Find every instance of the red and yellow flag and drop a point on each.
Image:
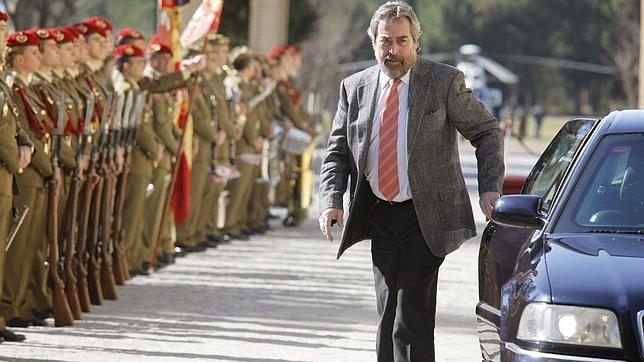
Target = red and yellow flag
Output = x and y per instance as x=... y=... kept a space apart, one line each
x=205 y=19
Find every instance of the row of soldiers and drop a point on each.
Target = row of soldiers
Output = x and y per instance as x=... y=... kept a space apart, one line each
x=94 y=127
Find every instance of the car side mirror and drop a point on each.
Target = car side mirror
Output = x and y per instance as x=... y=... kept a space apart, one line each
x=520 y=211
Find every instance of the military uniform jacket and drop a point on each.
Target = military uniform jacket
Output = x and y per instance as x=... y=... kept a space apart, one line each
x=32 y=116
x=204 y=123
x=12 y=136
x=251 y=128
x=164 y=109
x=144 y=153
x=49 y=94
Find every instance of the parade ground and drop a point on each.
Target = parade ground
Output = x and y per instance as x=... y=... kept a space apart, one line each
x=282 y=297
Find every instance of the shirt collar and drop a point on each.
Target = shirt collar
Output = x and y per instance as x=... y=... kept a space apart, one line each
x=383 y=79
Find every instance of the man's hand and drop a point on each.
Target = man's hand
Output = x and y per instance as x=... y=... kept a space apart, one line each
x=327 y=216
x=238 y=133
x=25 y=157
x=194 y=64
x=487 y=201
x=160 y=152
x=221 y=138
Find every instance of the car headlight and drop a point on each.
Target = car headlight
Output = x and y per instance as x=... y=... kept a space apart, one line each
x=541 y=322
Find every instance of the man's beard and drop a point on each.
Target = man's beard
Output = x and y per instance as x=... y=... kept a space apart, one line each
x=396 y=66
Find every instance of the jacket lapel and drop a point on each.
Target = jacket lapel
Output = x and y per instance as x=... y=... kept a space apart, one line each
x=365 y=115
x=419 y=91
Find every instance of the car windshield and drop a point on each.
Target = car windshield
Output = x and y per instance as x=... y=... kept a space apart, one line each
x=609 y=196
x=548 y=173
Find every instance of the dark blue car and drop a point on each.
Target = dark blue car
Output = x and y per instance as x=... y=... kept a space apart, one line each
x=561 y=265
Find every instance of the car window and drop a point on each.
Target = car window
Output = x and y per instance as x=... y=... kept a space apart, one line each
x=547 y=174
x=610 y=191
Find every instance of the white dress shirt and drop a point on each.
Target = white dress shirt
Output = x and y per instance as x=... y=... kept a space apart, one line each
x=384 y=86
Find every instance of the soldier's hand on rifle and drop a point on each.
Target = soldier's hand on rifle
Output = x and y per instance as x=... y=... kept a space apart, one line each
x=58 y=174
x=25 y=156
x=120 y=159
x=160 y=152
x=221 y=138
x=238 y=133
x=84 y=166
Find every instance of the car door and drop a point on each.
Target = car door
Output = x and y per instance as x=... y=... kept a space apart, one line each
x=500 y=245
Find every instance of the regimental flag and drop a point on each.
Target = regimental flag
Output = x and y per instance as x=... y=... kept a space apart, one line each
x=169 y=25
x=205 y=19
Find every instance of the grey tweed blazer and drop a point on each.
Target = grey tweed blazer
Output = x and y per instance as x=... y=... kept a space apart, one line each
x=439 y=106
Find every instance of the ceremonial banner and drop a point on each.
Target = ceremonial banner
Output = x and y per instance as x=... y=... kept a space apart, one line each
x=169 y=25
x=205 y=19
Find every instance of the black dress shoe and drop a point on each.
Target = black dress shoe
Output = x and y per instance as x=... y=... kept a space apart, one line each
x=247 y=232
x=260 y=230
x=290 y=221
x=9 y=336
x=18 y=323
x=180 y=251
x=144 y=270
x=198 y=248
x=237 y=236
x=212 y=243
x=44 y=314
x=37 y=322
x=272 y=216
x=134 y=272
x=215 y=238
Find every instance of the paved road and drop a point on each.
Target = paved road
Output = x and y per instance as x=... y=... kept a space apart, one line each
x=281 y=297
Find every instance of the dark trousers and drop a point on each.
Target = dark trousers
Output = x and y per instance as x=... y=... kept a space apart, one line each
x=406 y=279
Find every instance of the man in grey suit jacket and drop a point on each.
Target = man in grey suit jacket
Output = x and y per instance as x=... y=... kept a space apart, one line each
x=394 y=138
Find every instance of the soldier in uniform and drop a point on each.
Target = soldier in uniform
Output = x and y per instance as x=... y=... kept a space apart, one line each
x=164 y=112
x=147 y=151
x=248 y=149
x=205 y=136
x=214 y=91
x=39 y=300
x=15 y=155
x=24 y=60
x=130 y=61
x=294 y=166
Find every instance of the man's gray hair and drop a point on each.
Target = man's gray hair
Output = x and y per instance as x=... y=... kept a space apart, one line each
x=395 y=10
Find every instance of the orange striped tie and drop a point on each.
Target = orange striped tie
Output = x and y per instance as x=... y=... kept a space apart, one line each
x=387 y=150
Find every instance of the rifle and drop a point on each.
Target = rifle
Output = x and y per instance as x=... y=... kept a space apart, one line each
x=86 y=200
x=62 y=314
x=120 y=266
x=70 y=232
x=108 y=284
x=15 y=226
x=118 y=253
x=175 y=171
x=94 y=262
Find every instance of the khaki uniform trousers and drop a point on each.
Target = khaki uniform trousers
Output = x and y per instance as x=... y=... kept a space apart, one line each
x=154 y=205
x=5 y=221
x=240 y=191
x=39 y=295
x=20 y=258
x=209 y=213
x=133 y=218
x=259 y=204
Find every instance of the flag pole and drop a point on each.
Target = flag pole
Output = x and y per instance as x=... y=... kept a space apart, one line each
x=175 y=168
